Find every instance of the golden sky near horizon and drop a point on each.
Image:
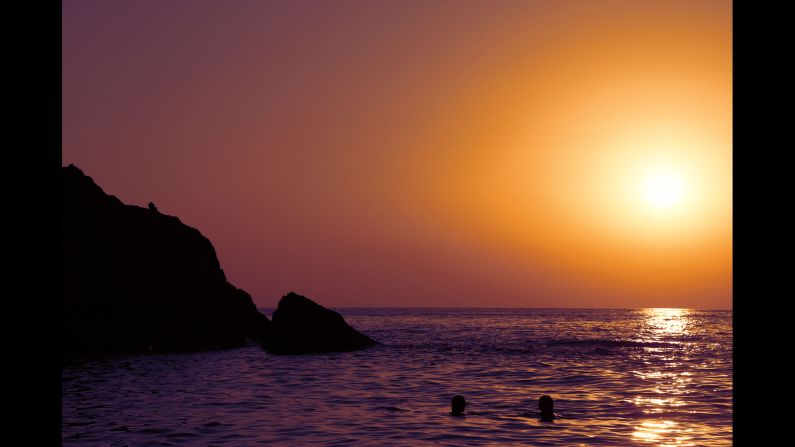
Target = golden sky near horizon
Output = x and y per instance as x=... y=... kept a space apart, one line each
x=507 y=153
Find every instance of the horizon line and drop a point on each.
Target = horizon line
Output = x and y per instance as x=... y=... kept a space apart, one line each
x=511 y=307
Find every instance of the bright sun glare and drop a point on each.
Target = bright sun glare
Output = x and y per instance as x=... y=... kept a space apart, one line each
x=664 y=189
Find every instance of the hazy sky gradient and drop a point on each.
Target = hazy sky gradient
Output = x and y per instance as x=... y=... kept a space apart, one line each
x=418 y=153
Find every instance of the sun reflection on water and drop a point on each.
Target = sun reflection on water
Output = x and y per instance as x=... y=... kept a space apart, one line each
x=662 y=325
x=666 y=322
x=664 y=433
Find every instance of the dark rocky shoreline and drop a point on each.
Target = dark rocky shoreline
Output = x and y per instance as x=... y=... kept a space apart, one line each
x=135 y=280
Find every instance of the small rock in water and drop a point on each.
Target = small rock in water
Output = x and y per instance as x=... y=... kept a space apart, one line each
x=301 y=326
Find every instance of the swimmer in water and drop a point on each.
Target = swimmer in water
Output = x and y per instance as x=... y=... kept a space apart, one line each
x=459 y=403
x=546 y=406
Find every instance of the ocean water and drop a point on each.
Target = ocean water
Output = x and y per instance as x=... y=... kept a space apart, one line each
x=644 y=377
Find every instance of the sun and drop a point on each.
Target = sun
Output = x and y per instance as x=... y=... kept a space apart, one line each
x=663 y=189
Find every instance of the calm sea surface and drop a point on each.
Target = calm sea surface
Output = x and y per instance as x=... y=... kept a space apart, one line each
x=646 y=377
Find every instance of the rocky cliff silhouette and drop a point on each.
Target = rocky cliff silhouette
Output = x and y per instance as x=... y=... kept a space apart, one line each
x=136 y=280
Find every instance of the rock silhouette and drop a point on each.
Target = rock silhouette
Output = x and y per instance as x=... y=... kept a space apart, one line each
x=301 y=326
x=135 y=280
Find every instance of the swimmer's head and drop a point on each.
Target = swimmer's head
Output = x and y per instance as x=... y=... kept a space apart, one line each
x=459 y=403
x=546 y=406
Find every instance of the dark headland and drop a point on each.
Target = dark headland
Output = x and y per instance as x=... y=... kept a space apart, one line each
x=136 y=280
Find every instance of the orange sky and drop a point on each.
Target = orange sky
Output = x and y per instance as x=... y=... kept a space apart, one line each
x=440 y=153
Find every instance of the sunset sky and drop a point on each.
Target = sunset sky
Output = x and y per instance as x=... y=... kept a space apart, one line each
x=421 y=153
